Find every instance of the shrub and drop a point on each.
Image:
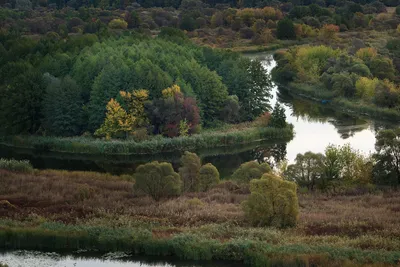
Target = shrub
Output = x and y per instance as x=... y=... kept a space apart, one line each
x=365 y=87
x=209 y=176
x=272 y=202
x=16 y=165
x=190 y=172
x=118 y=24
x=249 y=171
x=285 y=29
x=157 y=180
x=366 y=53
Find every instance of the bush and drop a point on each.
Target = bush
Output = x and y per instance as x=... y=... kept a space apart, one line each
x=285 y=29
x=272 y=202
x=16 y=165
x=209 y=176
x=249 y=171
x=157 y=180
x=118 y=24
x=190 y=172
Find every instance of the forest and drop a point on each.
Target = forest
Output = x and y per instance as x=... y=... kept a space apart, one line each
x=100 y=81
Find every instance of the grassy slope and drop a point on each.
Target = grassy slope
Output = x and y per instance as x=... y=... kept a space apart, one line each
x=71 y=210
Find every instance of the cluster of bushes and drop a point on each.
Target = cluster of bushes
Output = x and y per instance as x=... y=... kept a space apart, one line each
x=366 y=76
x=50 y=87
x=343 y=168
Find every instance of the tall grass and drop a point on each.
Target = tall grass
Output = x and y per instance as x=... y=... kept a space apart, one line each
x=16 y=165
x=59 y=237
x=130 y=147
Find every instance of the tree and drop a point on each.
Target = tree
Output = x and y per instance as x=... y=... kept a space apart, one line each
x=328 y=32
x=21 y=103
x=285 y=29
x=278 y=117
x=209 y=176
x=118 y=24
x=117 y=121
x=158 y=180
x=382 y=68
x=190 y=172
x=387 y=155
x=63 y=107
x=230 y=112
x=133 y=19
x=135 y=103
x=307 y=171
x=272 y=202
x=250 y=170
x=365 y=88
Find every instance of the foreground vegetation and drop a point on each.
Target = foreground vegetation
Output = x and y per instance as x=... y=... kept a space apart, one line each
x=338 y=214
x=67 y=211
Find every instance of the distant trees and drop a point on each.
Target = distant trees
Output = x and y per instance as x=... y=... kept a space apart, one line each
x=118 y=24
x=158 y=180
x=272 y=202
x=336 y=167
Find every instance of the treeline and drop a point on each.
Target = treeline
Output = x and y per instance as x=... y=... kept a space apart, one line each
x=342 y=169
x=256 y=22
x=122 y=85
x=361 y=75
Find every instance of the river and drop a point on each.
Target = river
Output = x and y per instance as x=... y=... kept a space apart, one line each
x=22 y=258
x=316 y=126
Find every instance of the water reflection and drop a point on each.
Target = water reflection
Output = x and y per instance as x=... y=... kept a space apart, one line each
x=34 y=258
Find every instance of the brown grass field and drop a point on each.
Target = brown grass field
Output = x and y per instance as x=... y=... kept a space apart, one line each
x=369 y=221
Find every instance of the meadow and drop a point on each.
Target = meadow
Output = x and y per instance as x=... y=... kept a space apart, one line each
x=60 y=210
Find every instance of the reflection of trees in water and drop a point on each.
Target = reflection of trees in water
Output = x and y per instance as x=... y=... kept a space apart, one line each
x=309 y=111
x=227 y=164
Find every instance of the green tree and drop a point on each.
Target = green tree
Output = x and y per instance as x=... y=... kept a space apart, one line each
x=209 y=176
x=307 y=170
x=387 y=156
x=272 y=202
x=382 y=68
x=190 y=172
x=278 y=117
x=63 y=107
x=249 y=171
x=285 y=29
x=21 y=103
x=158 y=180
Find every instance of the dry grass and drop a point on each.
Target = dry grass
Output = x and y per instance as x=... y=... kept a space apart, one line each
x=366 y=221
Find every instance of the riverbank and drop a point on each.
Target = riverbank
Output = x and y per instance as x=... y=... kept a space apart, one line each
x=340 y=103
x=69 y=211
x=93 y=146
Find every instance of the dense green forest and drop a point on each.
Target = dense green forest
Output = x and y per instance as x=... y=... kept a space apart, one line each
x=123 y=84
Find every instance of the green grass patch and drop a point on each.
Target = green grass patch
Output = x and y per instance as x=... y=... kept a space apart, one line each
x=155 y=145
x=16 y=165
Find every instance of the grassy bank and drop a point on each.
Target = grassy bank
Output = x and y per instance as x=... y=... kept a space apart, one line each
x=154 y=145
x=349 y=106
x=66 y=211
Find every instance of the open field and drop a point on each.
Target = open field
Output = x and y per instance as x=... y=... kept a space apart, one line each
x=347 y=228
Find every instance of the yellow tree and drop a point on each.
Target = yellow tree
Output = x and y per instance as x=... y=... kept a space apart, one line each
x=135 y=103
x=171 y=91
x=117 y=121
